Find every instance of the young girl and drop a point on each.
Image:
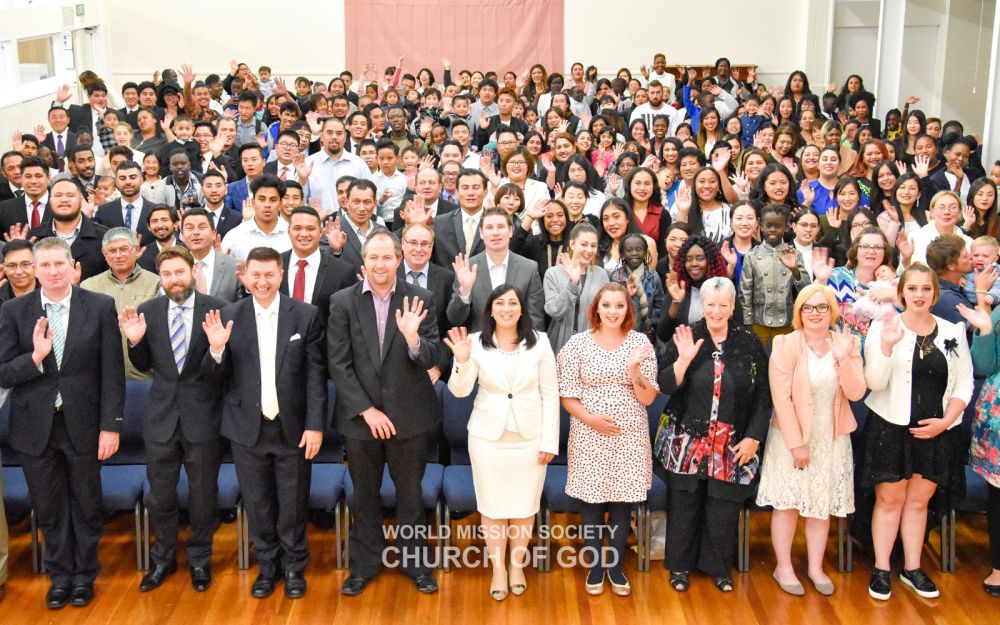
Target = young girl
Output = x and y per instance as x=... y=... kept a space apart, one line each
x=773 y=273
x=642 y=282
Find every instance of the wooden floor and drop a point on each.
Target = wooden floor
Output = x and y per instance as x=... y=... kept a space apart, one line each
x=558 y=597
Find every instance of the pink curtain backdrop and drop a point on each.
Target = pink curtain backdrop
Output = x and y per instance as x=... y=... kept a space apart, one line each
x=496 y=35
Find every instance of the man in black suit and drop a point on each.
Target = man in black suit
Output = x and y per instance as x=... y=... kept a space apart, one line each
x=274 y=414
x=162 y=222
x=313 y=275
x=32 y=208
x=61 y=356
x=70 y=224
x=213 y=189
x=10 y=184
x=381 y=341
x=181 y=424
x=87 y=115
x=351 y=226
x=452 y=232
x=418 y=246
x=286 y=149
x=60 y=139
x=131 y=210
x=205 y=136
x=129 y=113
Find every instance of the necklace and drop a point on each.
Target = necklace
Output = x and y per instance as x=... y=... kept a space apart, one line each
x=926 y=345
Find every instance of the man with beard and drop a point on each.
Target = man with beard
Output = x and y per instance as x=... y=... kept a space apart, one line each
x=131 y=210
x=162 y=222
x=68 y=222
x=213 y=189
x=398 y=133
x=658 y=106
x=81 y=158
x=125 y=281
x=331 y=164
x=181 y=424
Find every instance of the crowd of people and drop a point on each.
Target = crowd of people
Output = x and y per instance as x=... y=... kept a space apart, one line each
x=778 y=262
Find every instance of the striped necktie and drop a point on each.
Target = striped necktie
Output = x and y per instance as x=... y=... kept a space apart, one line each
x=178 y=340
x=54 y=314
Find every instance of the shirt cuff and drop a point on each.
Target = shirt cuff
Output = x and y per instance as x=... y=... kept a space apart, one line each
x=465 y=298
x=217 y=356
x=414 y=352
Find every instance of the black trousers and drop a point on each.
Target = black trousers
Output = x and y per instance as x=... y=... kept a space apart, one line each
x=701 y=531
x=163 y=467
x=993 y=522
x=65 y=488
x=274 y=481
x=615 y=531
x=365 y=461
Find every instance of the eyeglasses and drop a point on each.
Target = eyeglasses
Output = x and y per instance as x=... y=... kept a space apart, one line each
x=871 y=248
x=287 y=144
x=860 y=224
x=419 y=244
x=117 y=251
x=820 y=308
x=23 y=266
x=516 y=163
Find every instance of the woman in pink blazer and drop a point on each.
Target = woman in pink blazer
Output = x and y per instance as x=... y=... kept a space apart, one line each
x=808 y=469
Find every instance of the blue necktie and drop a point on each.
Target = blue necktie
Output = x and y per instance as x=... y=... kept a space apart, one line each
x=128 y=215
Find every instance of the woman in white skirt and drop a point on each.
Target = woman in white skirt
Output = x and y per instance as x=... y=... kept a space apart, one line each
x=808 y=471
x=513 y=430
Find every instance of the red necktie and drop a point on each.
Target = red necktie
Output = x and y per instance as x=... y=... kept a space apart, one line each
x=36 y=216
x=299 y=290
x=284 y=173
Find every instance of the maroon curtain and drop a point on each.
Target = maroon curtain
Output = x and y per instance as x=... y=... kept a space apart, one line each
x=483 y=35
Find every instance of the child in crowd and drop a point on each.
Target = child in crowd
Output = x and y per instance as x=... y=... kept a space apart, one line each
x=985 y=251
x=390 y=183
x=267 y=84
x=636 y=275
x=869 y=309
x=773 y=274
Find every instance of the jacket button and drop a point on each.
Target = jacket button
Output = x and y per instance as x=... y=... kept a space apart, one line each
x=510 y=396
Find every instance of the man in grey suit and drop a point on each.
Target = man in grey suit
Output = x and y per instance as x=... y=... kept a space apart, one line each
x=214 y=272
x=475 y=278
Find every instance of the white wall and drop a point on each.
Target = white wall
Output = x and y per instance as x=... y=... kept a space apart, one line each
x=293 y=38
x=690 y=33
x=964 y=84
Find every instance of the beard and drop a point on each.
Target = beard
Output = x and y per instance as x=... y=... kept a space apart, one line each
x=181 y=295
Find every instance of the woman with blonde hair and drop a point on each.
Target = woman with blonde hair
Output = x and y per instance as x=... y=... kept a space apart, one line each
x=814 y=373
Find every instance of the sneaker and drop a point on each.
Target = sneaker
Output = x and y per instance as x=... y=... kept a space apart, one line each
x=920 y=583
x=881 y=585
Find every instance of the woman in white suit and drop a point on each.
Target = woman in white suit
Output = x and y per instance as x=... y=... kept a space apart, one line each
x=514 y=427
x=919 y=371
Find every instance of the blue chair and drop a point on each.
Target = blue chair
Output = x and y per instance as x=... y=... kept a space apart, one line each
x=326 y=487
x=458 y=488
x=16 y=499
x=431 y=486
x=229 y=489
x=123 y=475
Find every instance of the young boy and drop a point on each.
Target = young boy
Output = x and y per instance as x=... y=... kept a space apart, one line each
x=266 y=83
x=367 y=152
x=750 y=120
x=180 y=134
x=292 y=199
x=985 y=251
x=773 y=273
x=390 y=183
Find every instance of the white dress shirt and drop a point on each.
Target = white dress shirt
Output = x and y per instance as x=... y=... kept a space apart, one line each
x=29 y=209
x=289 y=170
x=248 y=235
x=422 y=275
x=326 y=172
x=136 y=211
x=964 y=192
x=498 y=272
x=187 y=315
x=396 y=184
x=311 y=269
x=207 y=265
x=267 y=347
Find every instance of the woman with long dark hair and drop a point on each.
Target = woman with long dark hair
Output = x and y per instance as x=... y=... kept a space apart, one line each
x=545 y=247
x=708 y=213
x=616 y=221
x=643 y=197
x=983 y=202
x=914 y=125
x=697 y=260
x=570 y=285
x=797 y=86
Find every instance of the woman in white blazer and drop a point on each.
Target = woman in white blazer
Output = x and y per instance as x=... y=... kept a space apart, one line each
x=919 y=370
x=513 y=429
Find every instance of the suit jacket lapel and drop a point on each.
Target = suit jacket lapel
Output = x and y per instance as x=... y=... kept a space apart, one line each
x=484 y=282
x=365 y=309
x=395 y=304
x=218 y=273
x=284 y=331
x=77 y=321
x=197 y=334
x=249 y=322
x=320 y=276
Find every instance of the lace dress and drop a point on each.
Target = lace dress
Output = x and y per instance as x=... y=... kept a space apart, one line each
x=826 y=486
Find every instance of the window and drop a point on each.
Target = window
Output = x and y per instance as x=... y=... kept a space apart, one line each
x=35 y=59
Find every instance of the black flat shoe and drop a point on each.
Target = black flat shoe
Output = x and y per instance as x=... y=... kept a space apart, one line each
x=992 y=590
x=724 y=584
x=353 y=585
x=57 y=597
x=155 y=578
x=426 y=583
x=263 y=586
x=81 y=595
x=201 y=577
x=295 y=585
x=679 y=581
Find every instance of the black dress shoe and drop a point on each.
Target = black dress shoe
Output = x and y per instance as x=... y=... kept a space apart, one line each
x=155 y=578
x=263 y=586
x=425 y=583
x=353 y=585
x=201 y=577
x=57 y=597
x=295 y=584
x=81 y=595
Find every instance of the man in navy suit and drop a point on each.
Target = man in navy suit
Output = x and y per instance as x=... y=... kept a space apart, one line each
x=252 y=161
x=130 y=210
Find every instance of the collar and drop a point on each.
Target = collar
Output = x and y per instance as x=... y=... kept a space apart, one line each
x=209 y=259
x=64 y=301
x=279 y=228
x=505 y=264
x=186 y=305
x=272 y=309
x=136 y=271
x=425 y=271
x=312 y=260
x=366 y=287
x=42 y=201
x=76 y=231
x=136 y=204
